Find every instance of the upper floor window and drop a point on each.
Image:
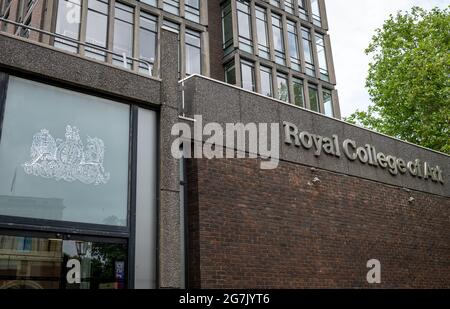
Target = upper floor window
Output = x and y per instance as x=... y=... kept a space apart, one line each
x=68 y=24
x=172 y=6
x=266 y=81
x=147 y=41
x=97 y=29
x=193 y=52
x=328 y=103
x=227 y=28
x=283 y=89
x=151 y=2
x=293 y=45
x=123 y=35
x=289 y=6
x=262 y=33
x=321 y=56
x=308 y=52
x=277 y=28
x=192 y=10
x=299 y=97
x=230 y=73
x=275 y=3
x=247 y=75
x=302 y=11
x=314 y=99
x=316 y=13
x=244 y=26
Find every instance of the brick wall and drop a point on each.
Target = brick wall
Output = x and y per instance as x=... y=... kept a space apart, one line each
x=250 y=228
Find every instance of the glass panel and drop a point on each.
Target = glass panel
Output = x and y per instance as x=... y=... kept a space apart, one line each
x=227 y=29
x=322 y=57
x=193 y=53
x=192 y=10
x=147 y=43
x=308 y=52
x=68 y=24
x=123 y=35
x=314 y=99
x=46 y=263
x=150 y=2
x=145 y=246
x=261 y=27
x=302 y=12
x=230 y=74
x=316 y=13
x=266 y=81
x=293 y=45
x=247 y=76
x=298 y=92
x=328 y=103
x=275 y=3
x=63 y=155
x=245 y=27
x=96 y=28
x=278 y=40
x=283 y=90
x=172 y=6
x=289 y=6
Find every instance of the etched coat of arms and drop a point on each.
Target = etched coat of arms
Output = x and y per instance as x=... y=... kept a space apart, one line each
x=67 y=159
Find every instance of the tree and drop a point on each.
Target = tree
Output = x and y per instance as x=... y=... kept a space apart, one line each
x=408 y=79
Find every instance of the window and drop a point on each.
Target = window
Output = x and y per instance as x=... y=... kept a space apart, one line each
x=192 y=10
x=308 y=51
x=314 y=99
x=193 y=53
x=278 y=40
x=123 y=35
x=298 y=92
x=96 y=29
x=68 y=24
x=328 y=103
x=316 y=13
x=244 y=26
x=63 y=155
x=147 y=41
x=302 y=12
x=263 y=39
x=247 y=75
x=275 y=3
x=283 y=89
x=172 y=6
x=227 y=29
x=230 y=73
x=289 y=6
x=322 y=57
x=150 y=2
x=293 y=45
x=266 y=81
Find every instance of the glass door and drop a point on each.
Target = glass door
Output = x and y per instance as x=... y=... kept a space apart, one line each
x=29 y=262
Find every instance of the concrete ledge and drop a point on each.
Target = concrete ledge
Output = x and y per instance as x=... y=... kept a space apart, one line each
x=22 y=56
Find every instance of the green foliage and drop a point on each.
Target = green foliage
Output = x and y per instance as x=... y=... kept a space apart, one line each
x=408 y=79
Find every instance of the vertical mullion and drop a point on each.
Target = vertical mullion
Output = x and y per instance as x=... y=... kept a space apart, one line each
x=136 y=39
x=83 y=25
x=111 y=18
x=4 y=80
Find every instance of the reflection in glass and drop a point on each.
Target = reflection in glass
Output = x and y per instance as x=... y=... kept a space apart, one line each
x=96 y=28
x=314 y=99
x=266 y=81
x=244 y=26
x=247 y=76
x=283 y=90
x=123 y=35
x=193 y=53
x=68 y=24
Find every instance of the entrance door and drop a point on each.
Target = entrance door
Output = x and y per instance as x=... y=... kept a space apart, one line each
x=64 y=261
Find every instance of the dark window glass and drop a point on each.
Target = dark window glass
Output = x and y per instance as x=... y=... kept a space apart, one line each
x=298 y=92
x=314 y=99
x=230 y=73
x=49 y=263
x=227 y=28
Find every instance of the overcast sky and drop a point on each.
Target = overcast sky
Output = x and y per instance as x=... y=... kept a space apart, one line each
x=352 y=24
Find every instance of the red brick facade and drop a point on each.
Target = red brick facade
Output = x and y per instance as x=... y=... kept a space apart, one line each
x=297 y=227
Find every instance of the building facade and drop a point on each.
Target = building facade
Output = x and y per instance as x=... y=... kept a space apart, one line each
x=92 y=196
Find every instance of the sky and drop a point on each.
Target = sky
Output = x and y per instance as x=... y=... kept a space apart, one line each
x=352 y=24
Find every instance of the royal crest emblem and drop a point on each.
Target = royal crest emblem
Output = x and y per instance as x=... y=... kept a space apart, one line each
x=67 y=160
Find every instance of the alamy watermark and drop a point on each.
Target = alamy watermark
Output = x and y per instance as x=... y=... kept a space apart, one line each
x=234 y=140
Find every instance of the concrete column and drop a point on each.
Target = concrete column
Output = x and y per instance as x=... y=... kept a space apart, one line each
x=170 y=242
x=336 y=106
x=323 y=14
x=329 y=57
